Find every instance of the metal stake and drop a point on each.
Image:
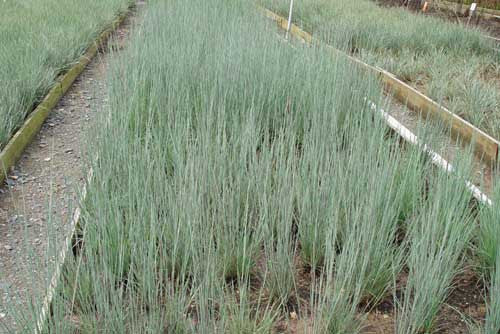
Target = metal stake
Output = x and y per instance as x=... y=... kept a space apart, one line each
x=289 y=19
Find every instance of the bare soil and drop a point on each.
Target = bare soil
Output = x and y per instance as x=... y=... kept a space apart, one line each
x=464 y=307
x=40 y=193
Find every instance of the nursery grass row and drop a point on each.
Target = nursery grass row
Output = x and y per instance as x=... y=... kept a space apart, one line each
x=39 y=40
x=241 y=181
x=449 y=63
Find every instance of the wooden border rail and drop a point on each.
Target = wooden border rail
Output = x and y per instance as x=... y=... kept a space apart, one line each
x=485 y=146
x=16 y=145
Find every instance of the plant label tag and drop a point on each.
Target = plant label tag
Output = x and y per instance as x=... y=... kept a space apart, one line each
x=473 y=6
x=426 y=4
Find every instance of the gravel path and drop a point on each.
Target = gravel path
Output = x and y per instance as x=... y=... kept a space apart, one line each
x=40 y=194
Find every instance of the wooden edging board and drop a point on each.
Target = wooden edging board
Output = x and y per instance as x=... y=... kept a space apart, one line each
x=16 y=145
x=485 y=146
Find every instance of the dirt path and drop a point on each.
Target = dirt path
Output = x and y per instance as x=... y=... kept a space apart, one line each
x=40 y=193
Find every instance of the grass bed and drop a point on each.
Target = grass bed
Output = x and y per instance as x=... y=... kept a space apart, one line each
x=449 y=63
x=39 y=41
x=244 y=186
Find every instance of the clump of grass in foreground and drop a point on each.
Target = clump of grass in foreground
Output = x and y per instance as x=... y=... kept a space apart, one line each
x=437 y=239
x=453 y=65
x=363 y=255
x=209 y=170
x=488 y=252
x=38 y=41
x=492 y=324
x=489 y=234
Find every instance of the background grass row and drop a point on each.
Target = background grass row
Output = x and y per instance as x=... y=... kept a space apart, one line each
x=449 y=63
x=38 y=41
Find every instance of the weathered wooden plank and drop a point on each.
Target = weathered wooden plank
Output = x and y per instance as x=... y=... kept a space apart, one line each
x=485 y=146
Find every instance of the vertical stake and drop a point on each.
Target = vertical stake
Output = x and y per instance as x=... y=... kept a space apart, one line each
x=472 y=9
x=289 y=19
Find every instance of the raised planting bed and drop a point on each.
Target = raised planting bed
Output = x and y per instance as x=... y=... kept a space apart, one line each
x=39 y=41
x=25 y=134
x=244 y=186
x=452 y=65
x=484 y=146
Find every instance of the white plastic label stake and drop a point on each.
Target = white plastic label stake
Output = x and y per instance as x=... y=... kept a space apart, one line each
x=289 y=19
x=473 y=6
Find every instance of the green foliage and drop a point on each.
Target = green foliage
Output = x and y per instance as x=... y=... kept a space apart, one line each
x=492 y=323
x=452 y=64
x=489 y=234
x=227 y=161
x=437 y=239
x=38 y=41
